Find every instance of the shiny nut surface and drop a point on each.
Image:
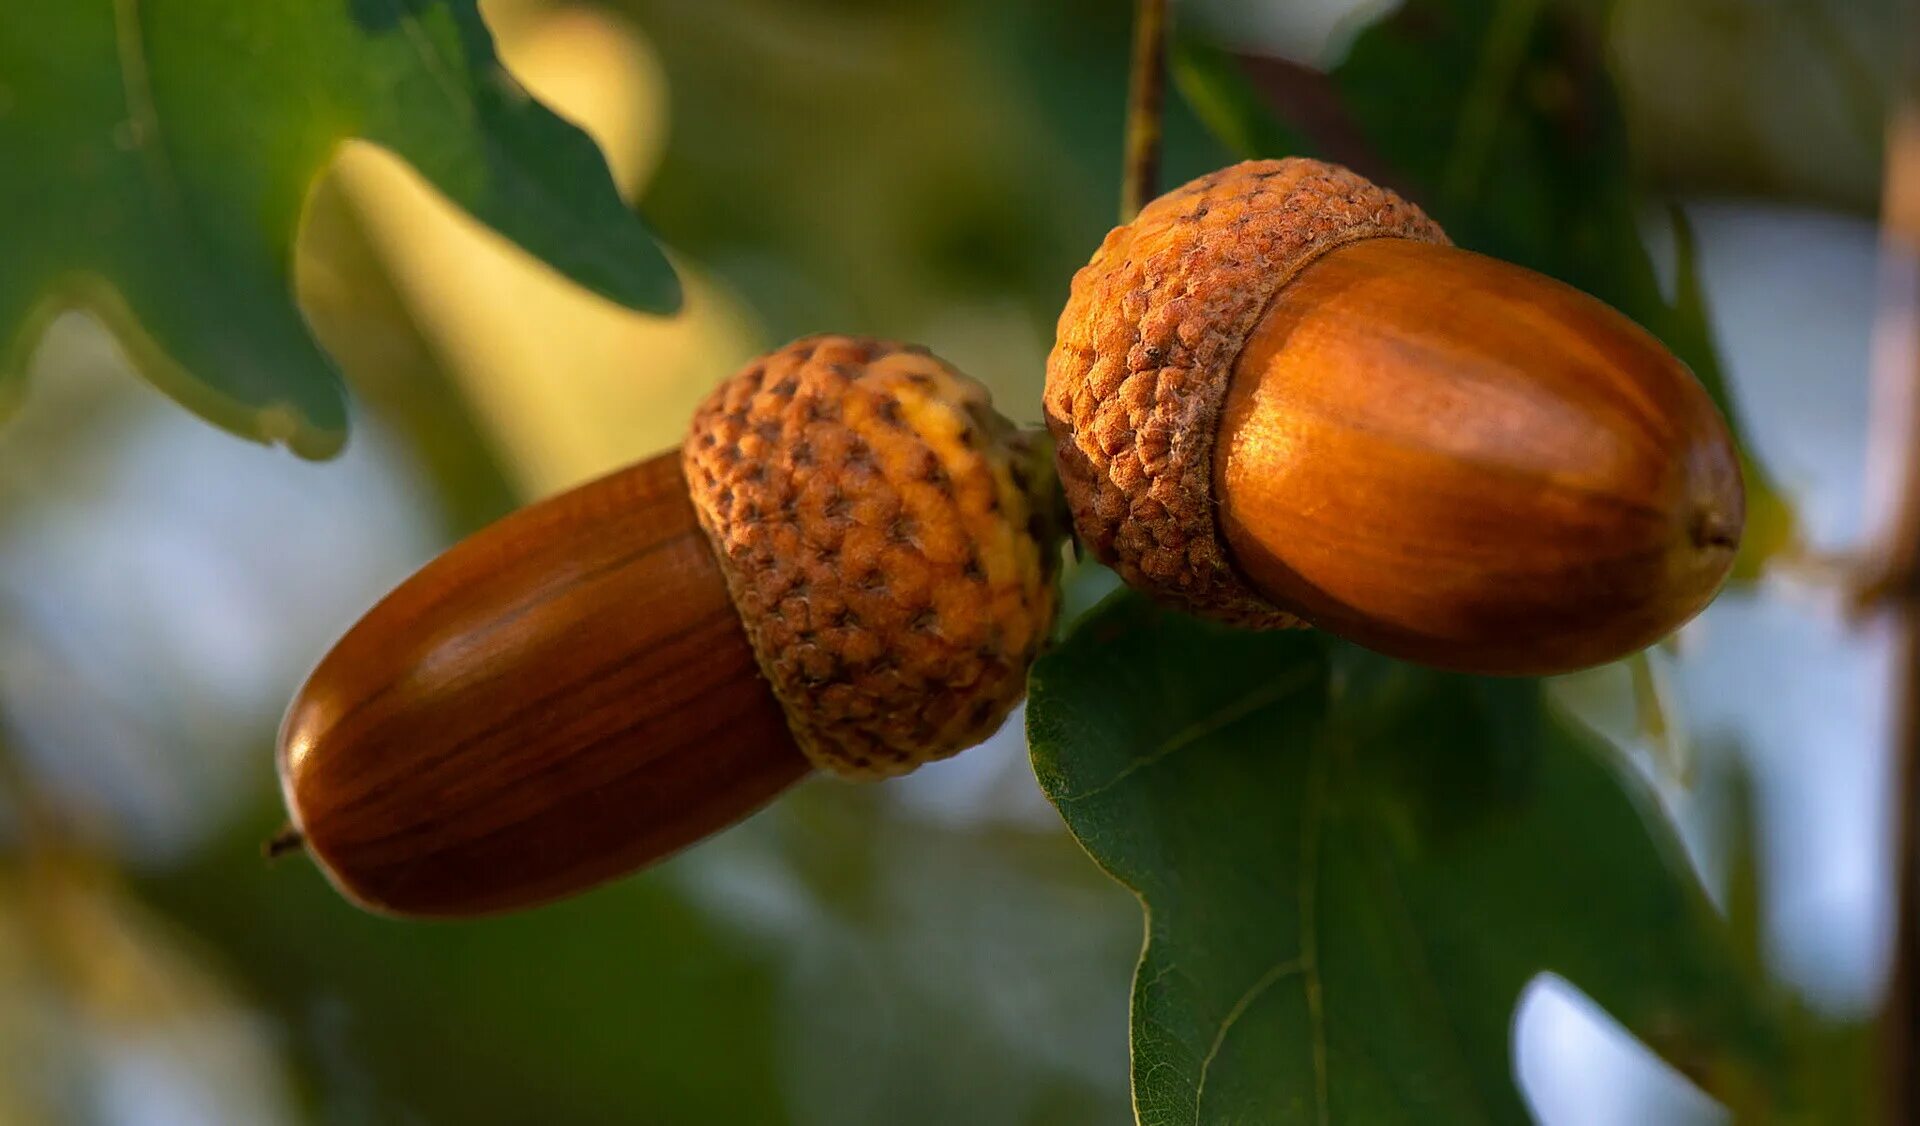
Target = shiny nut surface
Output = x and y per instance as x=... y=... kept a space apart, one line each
x=1457 y=461
x=561 y=698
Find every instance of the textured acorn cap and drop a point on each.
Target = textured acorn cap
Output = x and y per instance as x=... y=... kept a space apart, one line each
x=874 y=521
x=1145 y=353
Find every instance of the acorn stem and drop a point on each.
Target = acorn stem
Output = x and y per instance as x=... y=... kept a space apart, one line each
x=1140 y=175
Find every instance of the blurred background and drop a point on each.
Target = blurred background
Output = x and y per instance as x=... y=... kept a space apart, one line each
x=929 y=950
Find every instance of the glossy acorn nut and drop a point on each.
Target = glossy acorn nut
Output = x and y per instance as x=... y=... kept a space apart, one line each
x=1280 y=397
x=843 y=568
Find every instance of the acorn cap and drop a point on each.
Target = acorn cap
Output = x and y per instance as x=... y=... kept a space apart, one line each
x=874 y=521
x=1145 y=354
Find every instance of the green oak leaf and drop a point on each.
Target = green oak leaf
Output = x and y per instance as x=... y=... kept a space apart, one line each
x=1352 y=867
x=155 y=156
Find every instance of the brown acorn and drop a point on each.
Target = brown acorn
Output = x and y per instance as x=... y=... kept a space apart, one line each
x=1280 y=397
x=843 y=568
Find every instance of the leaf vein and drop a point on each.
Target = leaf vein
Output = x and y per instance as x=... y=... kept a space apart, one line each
x=1389 y=892
x=1310 y=830
x=143 y=115
x=431 y=59
x=1266 y=981
x=1245 y=707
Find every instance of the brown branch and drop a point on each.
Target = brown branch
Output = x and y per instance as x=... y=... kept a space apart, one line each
x=1140 y=177
x=1893 y=587
x=1900 y=1020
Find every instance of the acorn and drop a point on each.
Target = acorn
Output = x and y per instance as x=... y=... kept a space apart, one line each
x=845 y=567
x=1280 y=397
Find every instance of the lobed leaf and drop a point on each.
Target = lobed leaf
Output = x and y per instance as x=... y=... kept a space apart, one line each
x=1352 y=867
x=159 y=154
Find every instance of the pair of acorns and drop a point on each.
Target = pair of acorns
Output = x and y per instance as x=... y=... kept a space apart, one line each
x=1278 y=397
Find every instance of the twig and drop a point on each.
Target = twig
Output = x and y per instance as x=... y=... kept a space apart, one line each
x=1892 y=590
x=1140 y=177
x=1900 y=1024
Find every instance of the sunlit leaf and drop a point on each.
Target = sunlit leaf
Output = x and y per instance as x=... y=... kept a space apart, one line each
x=1351 y=868
x=393 y=278
x=358 y=314
x=159 y=154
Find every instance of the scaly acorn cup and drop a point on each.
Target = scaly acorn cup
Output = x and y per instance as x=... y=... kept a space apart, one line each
x=845 y=567
x=1281 y=397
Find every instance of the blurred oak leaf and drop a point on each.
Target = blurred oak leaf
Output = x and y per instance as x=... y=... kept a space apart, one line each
x=158 y=157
